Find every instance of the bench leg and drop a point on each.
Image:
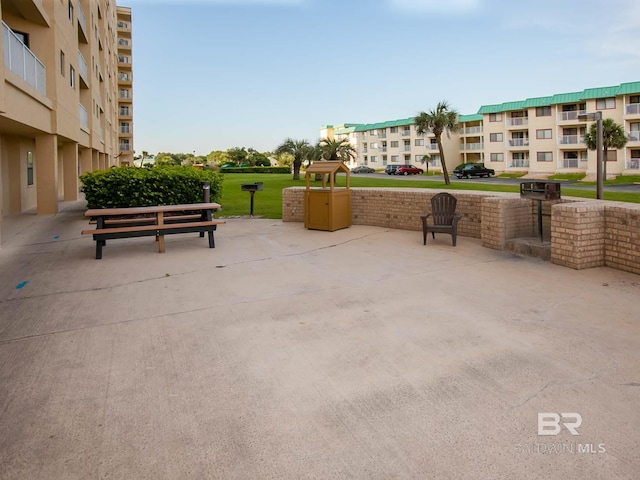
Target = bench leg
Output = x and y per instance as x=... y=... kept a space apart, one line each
x=201 y=234
x=99 y=249
x=211 y=242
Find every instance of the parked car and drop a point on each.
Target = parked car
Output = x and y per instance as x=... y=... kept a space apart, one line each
x=408 y=170
x=362 y=169
x=468 y=170
x=391 y=169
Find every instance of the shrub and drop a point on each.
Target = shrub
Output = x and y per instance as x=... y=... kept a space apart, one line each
x=141 y=187
x=256 y=170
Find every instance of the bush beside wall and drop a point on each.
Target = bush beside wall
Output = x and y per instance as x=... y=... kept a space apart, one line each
x=141 y=187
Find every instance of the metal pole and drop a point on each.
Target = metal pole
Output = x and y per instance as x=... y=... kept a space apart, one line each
x=206 y=192
x=252 y=192
x=599 y=157
x=540 y=219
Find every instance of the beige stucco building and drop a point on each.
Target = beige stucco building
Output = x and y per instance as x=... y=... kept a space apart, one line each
x=540 y=136
x=65 y=98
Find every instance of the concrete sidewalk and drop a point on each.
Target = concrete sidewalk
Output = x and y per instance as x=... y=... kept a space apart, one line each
x=287 y=353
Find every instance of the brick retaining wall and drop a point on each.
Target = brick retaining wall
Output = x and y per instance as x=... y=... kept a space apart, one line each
x=583 y=233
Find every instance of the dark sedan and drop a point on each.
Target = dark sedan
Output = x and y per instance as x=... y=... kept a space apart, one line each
x=362 y=169
x=469 y=170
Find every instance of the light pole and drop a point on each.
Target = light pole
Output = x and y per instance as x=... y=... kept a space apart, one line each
x=597 y=116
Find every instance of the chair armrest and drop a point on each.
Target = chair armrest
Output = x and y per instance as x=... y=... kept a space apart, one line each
x=456 y=218
x=425 y=215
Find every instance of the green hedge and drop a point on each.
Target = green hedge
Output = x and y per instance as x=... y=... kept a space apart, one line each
x=256 y=170
x=141 y=187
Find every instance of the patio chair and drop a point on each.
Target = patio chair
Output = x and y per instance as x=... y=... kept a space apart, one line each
x=445 y=219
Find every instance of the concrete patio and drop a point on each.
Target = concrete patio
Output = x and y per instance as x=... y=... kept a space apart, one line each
x=287 y=353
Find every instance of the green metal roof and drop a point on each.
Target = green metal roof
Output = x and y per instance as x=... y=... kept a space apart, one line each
x=573 y=97
x=490 y=109
x=601 y=92
x=537 y=102
x=630 y=87
x=509 y=106
x=470 y=118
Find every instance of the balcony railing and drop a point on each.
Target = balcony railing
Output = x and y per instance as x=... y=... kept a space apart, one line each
x=633 y=109
x=21 y=61
x=125 y=147
x=518 y=142
x=432 y=146
x=570 y=116
x=519 y=163
x=570 y=163
x=125 y=129
x=82 y=20
x=634 y=136
x=472 y=130
x=84 y=118
x=632 y=164
x=406 y=133
x=473 y=146
x=82 y=65
x=406 y=148
x=571 y=139
x=124 y=112
x=518 y=121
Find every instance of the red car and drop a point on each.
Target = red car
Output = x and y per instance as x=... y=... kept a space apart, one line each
x=408 y=170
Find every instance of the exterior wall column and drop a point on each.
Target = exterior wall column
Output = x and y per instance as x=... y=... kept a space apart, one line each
x=95 y=160
x=85 y=160
x=70 y=171
x=46 y=173
x=102 y=161
x=14 y=183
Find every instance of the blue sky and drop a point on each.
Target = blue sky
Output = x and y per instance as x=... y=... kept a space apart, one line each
x=215 y=74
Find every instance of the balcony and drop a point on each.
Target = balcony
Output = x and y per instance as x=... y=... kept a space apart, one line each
x=84 y=71
x=406 y=148
x=125 y=129
x=125 y=147
x=633 y=136
x=632 y=164
x=82 y=22
x=519 y=163
x=472 y=130
x=432 y=146
x=633 y=109
x=573 y=163
x=473 y=146
x=405 y=133
x=84 y=118
x=571 y=140
x=570 y=116
x=21 y=61
x=518 y=122
x=518 y=143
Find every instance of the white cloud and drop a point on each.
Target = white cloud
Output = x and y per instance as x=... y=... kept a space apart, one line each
x=436 y=6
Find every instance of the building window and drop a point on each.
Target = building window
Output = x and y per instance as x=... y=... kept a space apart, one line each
x=393 y=129
x=407 y=159
x=605 y=103
x=419 y=142
x=124 y=93
x=612 y=155
x=384 y=159
x=374 y=159
x=545 y=156
x=124 y=127
x=634 y=99
x=394 y=144
x=29 y=168
x=543 y=134
x=419 y=158
x=72 y=77
x=497 y=157
x=543 y=111
x=435 y=161
x=495 y=137
x=495 y=117
x=395 y=158
x=24 y=37
x=62 y=66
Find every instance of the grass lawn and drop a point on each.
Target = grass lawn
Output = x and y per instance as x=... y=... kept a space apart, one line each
x=268 y=203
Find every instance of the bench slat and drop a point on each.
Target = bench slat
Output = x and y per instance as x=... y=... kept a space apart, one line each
x=173 y=218
x=142 y=228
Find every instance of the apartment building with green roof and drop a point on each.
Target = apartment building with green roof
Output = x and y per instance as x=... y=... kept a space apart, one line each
x=540 y=136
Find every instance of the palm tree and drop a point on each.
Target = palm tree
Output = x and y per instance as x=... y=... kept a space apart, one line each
x=613 y=138
x=342 y=150
x=442 y=119
x=299 y=149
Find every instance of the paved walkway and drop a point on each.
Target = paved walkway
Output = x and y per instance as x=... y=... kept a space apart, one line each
x=286 y=353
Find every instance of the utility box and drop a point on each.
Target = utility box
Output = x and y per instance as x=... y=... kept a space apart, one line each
x=327 y=207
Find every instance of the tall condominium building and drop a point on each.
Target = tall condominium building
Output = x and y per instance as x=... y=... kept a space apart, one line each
x=65 y=98
x=540 y=136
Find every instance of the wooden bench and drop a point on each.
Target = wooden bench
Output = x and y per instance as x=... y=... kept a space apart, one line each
x=112 y=223
x=103 y=234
